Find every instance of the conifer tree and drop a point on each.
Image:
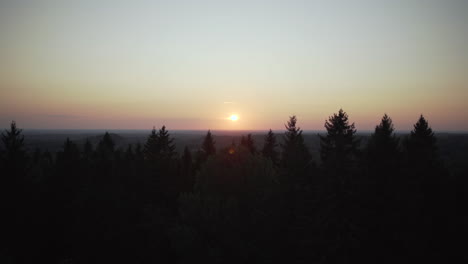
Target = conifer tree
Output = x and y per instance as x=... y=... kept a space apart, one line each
x=15 y=191
x=208 y=145
x=421 y=144
x=382 y=184
x=13 y=160
x=339 y=146
x=424 y=166
x=425 y=175
x=166 y=147
x=70 y=153
x=295 y=155
x=13 y=144
x=106 y=147
x=248 y=143
x=338 y=153
x=269 y=147
x=383 y=144
x=151 y=147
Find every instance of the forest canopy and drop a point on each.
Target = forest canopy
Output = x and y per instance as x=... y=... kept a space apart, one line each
x=387 y=199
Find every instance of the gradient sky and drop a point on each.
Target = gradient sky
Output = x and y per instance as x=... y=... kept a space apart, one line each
x=191 y=64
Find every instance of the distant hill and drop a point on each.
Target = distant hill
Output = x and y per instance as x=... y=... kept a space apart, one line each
x=118 y=139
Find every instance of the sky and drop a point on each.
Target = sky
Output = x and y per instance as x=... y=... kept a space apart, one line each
x=192 y=64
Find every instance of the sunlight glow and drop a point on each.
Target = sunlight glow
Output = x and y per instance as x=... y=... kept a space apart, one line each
x=233 y=117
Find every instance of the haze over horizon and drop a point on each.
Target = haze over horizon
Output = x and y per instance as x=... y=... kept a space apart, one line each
x=194 y=64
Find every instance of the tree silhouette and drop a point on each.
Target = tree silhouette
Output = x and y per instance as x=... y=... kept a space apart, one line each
x=421 y=144
x=339 y=146
x=338 y=196
x=165 y=144
x=208 y=145
x=383 y=144
x=70 y=154
x=15 y=192
x=269 y=147
x=295 y=156
x=13 y=143
x=144 y=204
x=424 y=174
x=248 y=143
x=382 y=185
x=151 y=147
x=106 y=147
x=159 y=146
x=14 y=158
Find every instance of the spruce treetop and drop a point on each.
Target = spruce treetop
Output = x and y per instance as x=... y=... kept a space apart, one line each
x=208 y=145
x=339 y=143
x=12 y=139
x=295 y=154
x=165 y=143
x=421 y=143
x=422 y=129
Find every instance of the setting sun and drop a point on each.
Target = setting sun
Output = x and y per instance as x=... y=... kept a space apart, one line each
x=233 y=117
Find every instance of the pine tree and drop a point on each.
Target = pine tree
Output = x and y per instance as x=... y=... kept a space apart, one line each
x=383 y=144
x=248 y=143
x=13 y=143
x=382 y=184
x=295 y=155
x=14 y=159
x=159 y=146
x=424 y=177
x=421 y=144
x=269 y=148
x=338 y=195
x=106 y=147
x=15 y=189
x=339 y=146
x=208 y=145
x=70 y=154
x=151 y=147
x=166 y=147
x=424 y=166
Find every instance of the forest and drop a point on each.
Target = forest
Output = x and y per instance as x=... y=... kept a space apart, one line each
x=390 y=200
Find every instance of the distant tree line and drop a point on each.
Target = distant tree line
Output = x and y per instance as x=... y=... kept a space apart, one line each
x=388 y=201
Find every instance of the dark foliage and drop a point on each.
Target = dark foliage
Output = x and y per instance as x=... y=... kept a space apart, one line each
x=295 y=156
x=339 y=146
x=269 y=148
x=208 y=145
x=111 y=203
x=248 y=143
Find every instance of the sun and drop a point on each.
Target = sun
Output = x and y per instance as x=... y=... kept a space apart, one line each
x=233 y=117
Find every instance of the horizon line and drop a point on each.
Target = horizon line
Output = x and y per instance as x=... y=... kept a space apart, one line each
x=217 y=130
